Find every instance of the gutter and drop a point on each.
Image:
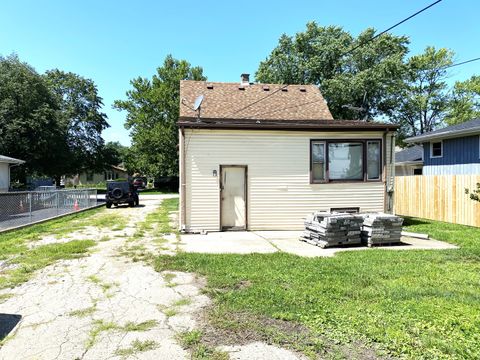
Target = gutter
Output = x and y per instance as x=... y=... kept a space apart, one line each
x=444 y=135
x=290 y=125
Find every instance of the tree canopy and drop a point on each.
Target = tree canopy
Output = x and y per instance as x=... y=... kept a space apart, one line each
x=322 y=56
x=421 y=103
x=29 y=126
x=152 y=107
x=81 y=120
x=465 y=101
x=53 y=121
x=364 y=78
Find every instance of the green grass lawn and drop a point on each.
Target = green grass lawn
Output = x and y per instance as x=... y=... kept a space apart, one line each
x=413 y=304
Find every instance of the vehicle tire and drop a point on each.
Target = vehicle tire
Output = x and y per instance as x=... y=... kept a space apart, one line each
x=109 y=205
x=137 y=201
x=117 y=193
x=131 y=203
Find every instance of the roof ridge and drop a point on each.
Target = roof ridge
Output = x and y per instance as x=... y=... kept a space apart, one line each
x=251 y=84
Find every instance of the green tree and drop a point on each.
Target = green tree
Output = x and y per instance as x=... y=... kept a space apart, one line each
x=362 y=78
x=152 y=108
x=115 y=153
x=465 y=102
x=422 y=102
x=82 y=121
x=29 y=119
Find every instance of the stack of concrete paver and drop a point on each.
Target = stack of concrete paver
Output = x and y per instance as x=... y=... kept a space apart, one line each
x=332 y=229
x=381 y=229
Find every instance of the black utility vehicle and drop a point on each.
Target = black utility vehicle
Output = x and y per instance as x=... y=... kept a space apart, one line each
x=121 y=192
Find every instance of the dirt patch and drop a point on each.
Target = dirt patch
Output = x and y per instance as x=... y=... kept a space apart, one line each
x=220 y=329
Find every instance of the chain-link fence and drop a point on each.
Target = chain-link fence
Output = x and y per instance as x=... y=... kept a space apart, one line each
x=25 y=207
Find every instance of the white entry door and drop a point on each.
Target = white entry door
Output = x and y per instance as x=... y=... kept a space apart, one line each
x=233 y=204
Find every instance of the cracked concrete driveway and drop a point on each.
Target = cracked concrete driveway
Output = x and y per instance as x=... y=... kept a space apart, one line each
x=110 y=304
x=104 y=305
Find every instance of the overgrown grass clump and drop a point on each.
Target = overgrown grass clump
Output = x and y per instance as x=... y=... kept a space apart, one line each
x=413 y=304
x=159 y=219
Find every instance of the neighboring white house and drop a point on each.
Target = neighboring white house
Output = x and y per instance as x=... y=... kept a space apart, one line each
x=409 y=161
x=264 y=156
x=5 y=164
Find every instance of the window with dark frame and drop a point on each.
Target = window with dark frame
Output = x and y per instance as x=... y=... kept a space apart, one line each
x=345 y=160
x=374 y=165
x=437 y=149
x=318 y=161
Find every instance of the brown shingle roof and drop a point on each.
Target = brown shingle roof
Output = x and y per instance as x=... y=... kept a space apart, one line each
x=256 y=101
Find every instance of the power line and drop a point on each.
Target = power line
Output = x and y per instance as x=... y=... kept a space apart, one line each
x=390 y=28
x=346 y=53
x=460 y=63
x=452 y=65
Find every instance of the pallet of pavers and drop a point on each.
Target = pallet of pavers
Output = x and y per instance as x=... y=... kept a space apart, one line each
x=381 y=229
x=332 y=229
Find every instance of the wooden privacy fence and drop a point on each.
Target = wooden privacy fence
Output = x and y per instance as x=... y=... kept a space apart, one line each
x=438 y=197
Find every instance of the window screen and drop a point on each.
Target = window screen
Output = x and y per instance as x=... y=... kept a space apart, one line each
x=373 y=160
x=318 y=161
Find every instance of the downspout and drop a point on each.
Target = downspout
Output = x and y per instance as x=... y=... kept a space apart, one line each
x=183 y=185
x=389 y=185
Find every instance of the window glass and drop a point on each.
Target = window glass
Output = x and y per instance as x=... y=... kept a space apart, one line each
x=345 y=161
x=373 y=160
x=318 y=161
x=437 y=149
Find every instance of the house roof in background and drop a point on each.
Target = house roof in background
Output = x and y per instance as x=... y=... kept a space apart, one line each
x=10 y=160
x=236 y=101
x=118 y=167
x=410 y=154
x=471 y=127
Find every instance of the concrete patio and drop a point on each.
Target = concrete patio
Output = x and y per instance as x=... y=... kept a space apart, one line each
x=265 y=242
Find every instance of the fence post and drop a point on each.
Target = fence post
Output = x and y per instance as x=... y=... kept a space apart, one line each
x=56 y=200
x=30 y=205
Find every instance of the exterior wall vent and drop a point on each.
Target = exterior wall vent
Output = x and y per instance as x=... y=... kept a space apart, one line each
x=284 y=89
x=302 y=89
x=266 y=88
x=210 y=86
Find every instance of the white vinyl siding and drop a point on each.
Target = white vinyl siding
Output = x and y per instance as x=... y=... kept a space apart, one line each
x=279 y=193
x=4 y=177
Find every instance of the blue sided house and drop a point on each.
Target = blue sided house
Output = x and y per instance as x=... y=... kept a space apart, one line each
x=454 y=150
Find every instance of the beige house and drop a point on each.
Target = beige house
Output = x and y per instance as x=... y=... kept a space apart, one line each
x=90 y=177
x=6 y=163
x=263 y=156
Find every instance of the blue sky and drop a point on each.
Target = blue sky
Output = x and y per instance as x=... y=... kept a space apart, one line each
x=112 y=42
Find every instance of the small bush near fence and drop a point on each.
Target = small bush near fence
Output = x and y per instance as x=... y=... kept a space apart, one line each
x=25 y=207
